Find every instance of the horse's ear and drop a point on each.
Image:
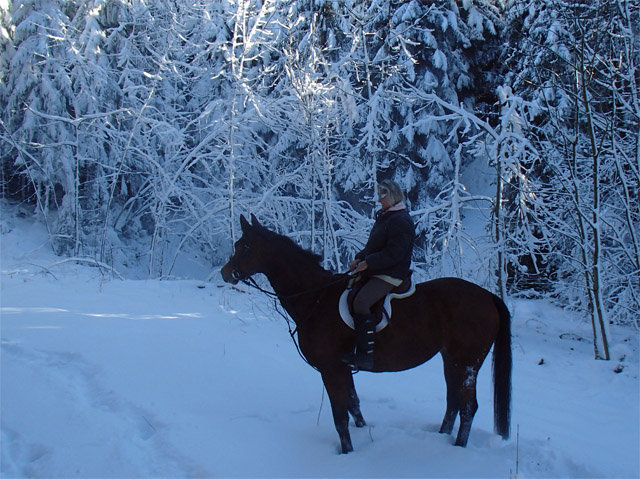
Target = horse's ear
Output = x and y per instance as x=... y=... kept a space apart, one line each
x=244 y=224
x=255 y=221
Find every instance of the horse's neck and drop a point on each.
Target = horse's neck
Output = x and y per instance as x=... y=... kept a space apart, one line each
x=297 y=287
x=291 y=282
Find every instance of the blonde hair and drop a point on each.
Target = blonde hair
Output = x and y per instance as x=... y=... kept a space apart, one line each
x=393 y=191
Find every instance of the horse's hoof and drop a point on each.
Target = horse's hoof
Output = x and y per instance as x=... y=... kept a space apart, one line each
x=347 y=448
x=460 y=443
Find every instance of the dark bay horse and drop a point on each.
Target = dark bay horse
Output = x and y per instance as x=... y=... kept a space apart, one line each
x=450 y=316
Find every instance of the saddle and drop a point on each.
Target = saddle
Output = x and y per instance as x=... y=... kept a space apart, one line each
x=381 y=309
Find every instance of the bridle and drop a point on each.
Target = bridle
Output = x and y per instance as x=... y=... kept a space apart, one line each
x=235 y=274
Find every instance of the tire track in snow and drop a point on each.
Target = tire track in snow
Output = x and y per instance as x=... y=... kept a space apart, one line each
x=136 y=437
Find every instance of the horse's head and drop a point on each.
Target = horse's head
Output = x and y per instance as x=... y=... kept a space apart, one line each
x=247 y=255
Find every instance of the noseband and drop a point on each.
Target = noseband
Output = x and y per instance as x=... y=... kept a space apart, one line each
x=235 y=273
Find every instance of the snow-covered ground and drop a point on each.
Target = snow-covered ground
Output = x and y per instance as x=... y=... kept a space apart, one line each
x=109 y=378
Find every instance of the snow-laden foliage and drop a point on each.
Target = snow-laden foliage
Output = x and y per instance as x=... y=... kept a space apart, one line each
x=578 y=63
x=140 y=131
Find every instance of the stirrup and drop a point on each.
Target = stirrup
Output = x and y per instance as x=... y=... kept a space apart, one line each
x=362 y=362
x=348 y=358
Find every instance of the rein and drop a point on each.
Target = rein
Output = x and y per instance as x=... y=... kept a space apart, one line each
x=252 y=282
x=249 y=281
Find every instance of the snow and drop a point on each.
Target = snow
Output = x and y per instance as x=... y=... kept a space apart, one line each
x=102 y=377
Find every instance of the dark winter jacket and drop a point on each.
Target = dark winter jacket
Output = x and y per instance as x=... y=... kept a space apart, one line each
x=390 y=246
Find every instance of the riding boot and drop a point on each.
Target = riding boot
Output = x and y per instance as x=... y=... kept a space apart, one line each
x=365 y=325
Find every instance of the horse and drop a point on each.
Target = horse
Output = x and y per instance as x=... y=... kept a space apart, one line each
x=451 y=316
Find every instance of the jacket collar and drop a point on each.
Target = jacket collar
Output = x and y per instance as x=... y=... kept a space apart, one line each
x=397 y=207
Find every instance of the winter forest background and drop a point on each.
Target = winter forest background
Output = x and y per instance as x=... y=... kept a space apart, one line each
x=138 y=131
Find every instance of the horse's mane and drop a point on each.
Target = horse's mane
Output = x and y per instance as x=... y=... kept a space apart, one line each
x=294 y=250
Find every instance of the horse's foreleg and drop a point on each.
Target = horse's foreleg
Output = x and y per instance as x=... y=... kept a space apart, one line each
x=338 y=389
x=453 y=396
x=468 y=404
x=354 y=404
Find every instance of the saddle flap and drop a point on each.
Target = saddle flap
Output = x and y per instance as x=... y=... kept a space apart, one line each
x=347 y=317
x=404 y=287
x=403 y=290
x=382 y=308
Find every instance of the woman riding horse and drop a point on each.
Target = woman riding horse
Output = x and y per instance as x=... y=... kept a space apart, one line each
x=448 y=316
x=384 y=264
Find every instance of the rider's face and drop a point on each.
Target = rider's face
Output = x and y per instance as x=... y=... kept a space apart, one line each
x=383 y=199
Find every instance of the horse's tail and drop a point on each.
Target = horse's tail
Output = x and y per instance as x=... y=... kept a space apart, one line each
x=502 y=363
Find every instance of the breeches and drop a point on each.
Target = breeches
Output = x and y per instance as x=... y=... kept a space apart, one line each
x=373 y=290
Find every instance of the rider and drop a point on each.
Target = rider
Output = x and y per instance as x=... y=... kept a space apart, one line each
x=384 y=263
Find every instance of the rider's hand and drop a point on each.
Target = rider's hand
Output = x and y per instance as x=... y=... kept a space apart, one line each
x=362 y=265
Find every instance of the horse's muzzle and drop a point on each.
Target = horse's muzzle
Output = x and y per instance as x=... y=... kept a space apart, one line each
x=230 y=275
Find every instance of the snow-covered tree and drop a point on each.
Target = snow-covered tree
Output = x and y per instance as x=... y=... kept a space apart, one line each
x=577 y=62
x=39 y=133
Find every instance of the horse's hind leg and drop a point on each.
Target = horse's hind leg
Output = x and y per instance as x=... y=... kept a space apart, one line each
x=354 y=404
x=468 y=404
x=453 y=395
x=461 y=398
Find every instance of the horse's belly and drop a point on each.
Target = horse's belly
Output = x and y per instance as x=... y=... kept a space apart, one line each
x=397 y=352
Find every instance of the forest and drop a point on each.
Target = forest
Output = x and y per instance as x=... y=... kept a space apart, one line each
x=138 y=131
